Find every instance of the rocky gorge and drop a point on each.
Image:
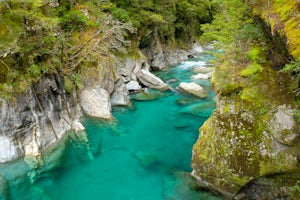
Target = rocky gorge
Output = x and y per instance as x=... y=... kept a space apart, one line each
x=41 y=116
x=75 y=60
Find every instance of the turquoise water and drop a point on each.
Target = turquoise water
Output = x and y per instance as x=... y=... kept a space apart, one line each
x=144 y=154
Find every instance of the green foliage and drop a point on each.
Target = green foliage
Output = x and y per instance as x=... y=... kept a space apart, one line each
x=75 y=78
x=295 y=190
x=297 y=115
x=252 y=31
x=171 y=20
x=68 y=85
x=293 y=66
x=34 y=71
x=38 y=38
x=251 y=94
x=74 y=20
x=229 y=23
x=254 y=54
x=120 y=14
x=251 y=70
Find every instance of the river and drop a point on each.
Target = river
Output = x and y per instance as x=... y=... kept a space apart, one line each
x=144 y=154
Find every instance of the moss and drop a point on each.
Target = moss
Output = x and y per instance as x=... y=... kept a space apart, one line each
x=250 y=94
x=251 y=70
x=292 y=31
x=285 y=9
x=68 y=84
x=283 y=16
x=226 y=108
x=224 y=81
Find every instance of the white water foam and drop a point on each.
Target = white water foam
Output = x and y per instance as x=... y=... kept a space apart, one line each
x=191 y=64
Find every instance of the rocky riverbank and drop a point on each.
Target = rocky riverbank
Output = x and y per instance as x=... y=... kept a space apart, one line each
x=40 y=117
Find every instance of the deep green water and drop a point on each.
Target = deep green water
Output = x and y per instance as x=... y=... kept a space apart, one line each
x=145 y=154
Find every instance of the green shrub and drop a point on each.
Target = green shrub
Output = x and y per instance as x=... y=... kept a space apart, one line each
x=76 y=80
x=254 y=54
x=34 y=71
x=293 y=66
x=251 y=70
x=74 y=20
x=120 y=14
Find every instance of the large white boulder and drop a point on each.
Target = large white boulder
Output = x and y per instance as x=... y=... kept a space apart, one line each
x=95 y=102
x=200 y=76
x=150 y=80
x=133 y=86
x=203 y=70
x=193 y=88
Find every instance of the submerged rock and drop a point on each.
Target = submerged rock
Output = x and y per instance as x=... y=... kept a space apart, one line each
x=184 y=102
x=148 y=94
x=199 y=109
x=193 y=88
x=77 y=126
x=151 y=81
x=95 y=102
x=4 y=195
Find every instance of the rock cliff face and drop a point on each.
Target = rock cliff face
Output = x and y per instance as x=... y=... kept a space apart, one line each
x=249 y=148
x=40 y=117
x=36 y=119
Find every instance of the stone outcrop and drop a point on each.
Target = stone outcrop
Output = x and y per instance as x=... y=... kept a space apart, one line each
x=95 y=102
x=120 y=94
x=249 y=147
x=200 y=76
x=160 y=57
x=133 y=86
x=150 y=80
x=203 y=70
x=194 y=89
x=237 y=147
x=35 y=120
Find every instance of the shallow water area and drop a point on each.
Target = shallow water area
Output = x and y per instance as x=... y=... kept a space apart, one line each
x=144 y=154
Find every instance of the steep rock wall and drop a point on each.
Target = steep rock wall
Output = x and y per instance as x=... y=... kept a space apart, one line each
x=39 y=118
x=249 y=147
x=36 y=119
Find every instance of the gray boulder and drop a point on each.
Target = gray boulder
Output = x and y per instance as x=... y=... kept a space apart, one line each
x=95 y=102
x=151 y=81
x=120 y=95
x=283 y=125
x=133 y=86
x=203 y=70
x=200 y=76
